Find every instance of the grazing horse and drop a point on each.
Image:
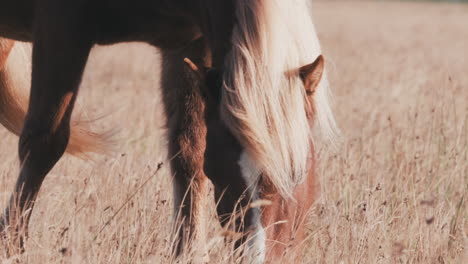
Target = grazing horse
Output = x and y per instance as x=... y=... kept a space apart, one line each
x=259 y=192
x=250 y=134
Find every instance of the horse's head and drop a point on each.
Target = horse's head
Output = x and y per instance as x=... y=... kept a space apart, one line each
x=211 y=80
x=229 y=167
x=220 y=139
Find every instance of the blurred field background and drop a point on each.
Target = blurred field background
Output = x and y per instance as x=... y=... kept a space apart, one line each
x=394 y=190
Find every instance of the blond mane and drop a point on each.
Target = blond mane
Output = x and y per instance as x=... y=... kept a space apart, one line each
x=262 y=105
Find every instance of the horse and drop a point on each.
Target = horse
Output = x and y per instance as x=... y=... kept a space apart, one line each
x=251 y=134
x=294 y=213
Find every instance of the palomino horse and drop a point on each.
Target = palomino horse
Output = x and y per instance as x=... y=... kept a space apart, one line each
x=254 y=136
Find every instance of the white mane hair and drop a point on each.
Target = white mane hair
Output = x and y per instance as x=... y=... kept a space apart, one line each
x=263 y=104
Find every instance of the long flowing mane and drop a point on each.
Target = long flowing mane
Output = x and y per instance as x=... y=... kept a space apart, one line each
x=262 y=104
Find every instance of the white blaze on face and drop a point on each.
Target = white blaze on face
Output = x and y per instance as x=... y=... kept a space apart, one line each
x=256 y=248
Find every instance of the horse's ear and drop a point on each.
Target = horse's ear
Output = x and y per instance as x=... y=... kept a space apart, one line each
x=311 y=74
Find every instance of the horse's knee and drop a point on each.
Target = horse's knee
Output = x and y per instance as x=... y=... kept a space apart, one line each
x=5 y=48
x=187 y=163
x=39 y=139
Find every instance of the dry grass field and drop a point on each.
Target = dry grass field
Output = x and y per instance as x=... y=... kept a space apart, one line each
x=393 y=191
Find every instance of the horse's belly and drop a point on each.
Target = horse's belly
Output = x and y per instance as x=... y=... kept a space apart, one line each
x=157 y=30
x=16 y=19
x=110 y=21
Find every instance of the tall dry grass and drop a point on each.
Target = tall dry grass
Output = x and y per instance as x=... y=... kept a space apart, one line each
x=394 y=191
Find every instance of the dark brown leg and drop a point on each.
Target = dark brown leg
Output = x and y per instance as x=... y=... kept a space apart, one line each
x=222 y=166
x=232 y=192
x=234 y=213
x=185 y=107
x=59 y=57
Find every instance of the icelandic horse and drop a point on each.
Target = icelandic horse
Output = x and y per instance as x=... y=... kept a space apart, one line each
x=251 y=134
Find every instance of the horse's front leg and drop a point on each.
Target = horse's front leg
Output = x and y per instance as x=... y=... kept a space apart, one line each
x=61 y=47
x=185 y=107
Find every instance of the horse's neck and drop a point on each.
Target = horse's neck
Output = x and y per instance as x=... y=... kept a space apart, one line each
x=216 y=19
